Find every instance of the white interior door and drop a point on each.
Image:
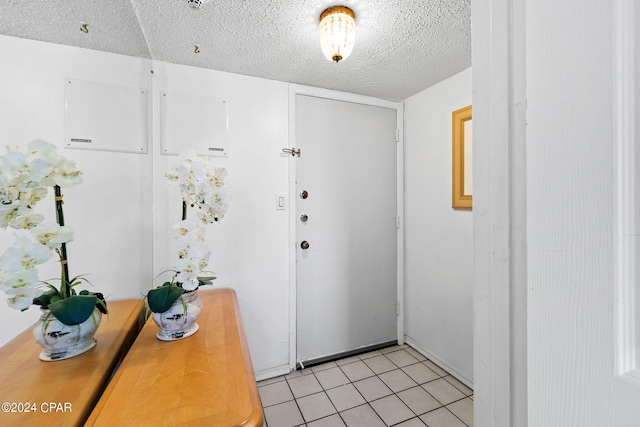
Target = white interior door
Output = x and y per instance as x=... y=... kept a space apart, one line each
x=347 y=276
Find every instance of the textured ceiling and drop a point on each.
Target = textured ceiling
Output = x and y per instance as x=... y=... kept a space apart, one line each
x=402 y=46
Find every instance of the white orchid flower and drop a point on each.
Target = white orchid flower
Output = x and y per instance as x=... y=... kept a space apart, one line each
x=201 y=186
x=190 y=284
x=15 y=160
x=5 y=196
x=219 y=176
x=16 y=283
x=196 y=252
x=38 y=170
x=24 y=178
x=43 y=151
x=52 y=234
x=11 y=212
x=186 y=227
x=7 y=193
x=21 y=301
x=27 y=221
x=189 y=246
x=13 y=260
x=62 y=171
x=187 y=274
x=203 y=261
x=65 y=174
x=25 y=170
x=41 y=148
x=186 y=248
x=24 y=254
x=181 y=247
x=33 y=195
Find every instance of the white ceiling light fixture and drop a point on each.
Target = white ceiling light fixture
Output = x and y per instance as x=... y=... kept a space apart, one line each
x=337 y=32
x=197 y=4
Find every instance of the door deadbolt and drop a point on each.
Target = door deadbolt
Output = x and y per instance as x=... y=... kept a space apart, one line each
x=304 y=217
x=304 y=194
x=304 y=244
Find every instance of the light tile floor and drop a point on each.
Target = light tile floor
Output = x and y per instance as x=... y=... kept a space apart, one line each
x=395 y=386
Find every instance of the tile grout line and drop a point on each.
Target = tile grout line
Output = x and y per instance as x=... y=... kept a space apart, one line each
x=392 y=392
x=330 y=401
x=376 y=375
x=465 y=396
x=395 y=393
x=295 y=400
x=366 y=402
x=451 y=412
x=461 y=420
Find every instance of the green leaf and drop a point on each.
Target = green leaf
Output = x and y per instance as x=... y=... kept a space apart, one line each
x=75 y=309
x=160 y=299
x=46 y=298
x=206 y=280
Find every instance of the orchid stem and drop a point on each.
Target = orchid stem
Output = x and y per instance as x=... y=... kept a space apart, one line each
x=184 y=210
x=64 y=287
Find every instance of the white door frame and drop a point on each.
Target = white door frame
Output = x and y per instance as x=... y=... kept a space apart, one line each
x=626 y=379
x=499 y=213
x=358 y=99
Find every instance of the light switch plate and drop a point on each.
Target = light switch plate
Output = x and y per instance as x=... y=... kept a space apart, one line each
x=281 y=202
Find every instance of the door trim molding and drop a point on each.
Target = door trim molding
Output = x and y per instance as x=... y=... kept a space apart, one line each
x=499 y=213
x=295 y=90
x=626 y=215
x=626 y=379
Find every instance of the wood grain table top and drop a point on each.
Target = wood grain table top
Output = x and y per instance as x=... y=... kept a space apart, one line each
x=63 y=393
x=206 y=379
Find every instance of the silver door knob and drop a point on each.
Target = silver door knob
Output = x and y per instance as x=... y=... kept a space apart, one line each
x=304 y=217
x=304 y=194
x=304 y=244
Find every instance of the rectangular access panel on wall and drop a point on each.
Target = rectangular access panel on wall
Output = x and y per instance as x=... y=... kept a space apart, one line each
x=105 y=117
x=193 y=121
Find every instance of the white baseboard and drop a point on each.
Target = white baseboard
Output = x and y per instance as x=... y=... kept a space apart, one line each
x=435 y=359
x=265 y=374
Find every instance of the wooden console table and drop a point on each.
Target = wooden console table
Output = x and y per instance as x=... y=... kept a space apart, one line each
x=205 y=379
x=63 y=393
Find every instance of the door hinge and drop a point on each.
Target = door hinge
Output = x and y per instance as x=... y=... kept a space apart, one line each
x=397 y=223
x=397 y=308
x=397 y=135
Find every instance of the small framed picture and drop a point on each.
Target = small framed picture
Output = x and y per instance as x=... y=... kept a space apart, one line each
x=462 y=158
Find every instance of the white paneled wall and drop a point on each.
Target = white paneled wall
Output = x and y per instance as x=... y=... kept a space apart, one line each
x=571 y=178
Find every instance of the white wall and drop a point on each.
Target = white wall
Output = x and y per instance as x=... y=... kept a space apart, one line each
x=121 y=213
x=250 y=244
x=438 y=239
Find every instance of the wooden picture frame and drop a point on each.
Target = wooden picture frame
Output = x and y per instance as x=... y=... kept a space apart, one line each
x=462 y=150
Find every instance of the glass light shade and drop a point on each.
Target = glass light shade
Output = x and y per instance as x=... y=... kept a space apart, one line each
x=337 y=32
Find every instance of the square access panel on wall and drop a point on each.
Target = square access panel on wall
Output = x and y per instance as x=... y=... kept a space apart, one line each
x=194 y=121
x=105 y=117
